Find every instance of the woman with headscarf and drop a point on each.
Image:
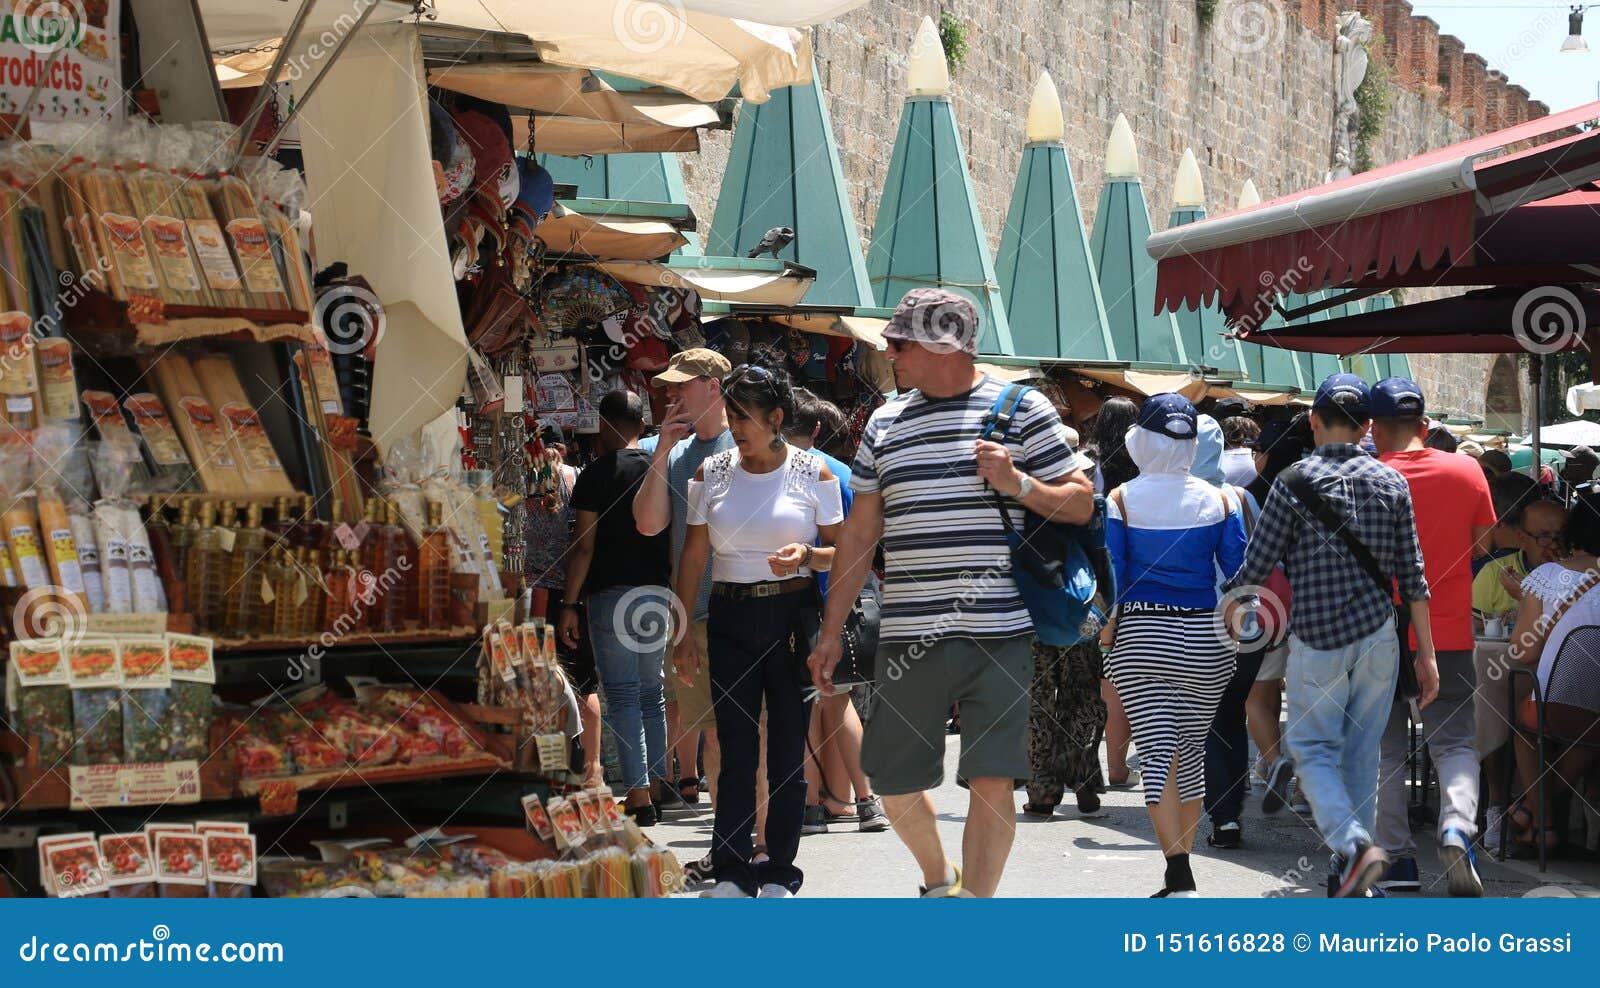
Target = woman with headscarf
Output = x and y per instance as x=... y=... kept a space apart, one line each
x=1108 y=451
x=1168 y=532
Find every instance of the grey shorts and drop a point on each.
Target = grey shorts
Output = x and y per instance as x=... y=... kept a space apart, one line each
x=903 y=749
x=1275 y=664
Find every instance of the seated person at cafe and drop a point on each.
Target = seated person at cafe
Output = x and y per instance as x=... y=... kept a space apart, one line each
x=1558 y=599
x=1527 y=535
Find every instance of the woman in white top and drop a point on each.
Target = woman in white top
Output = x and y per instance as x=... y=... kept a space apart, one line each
x=767 y=513
x=1560 y=601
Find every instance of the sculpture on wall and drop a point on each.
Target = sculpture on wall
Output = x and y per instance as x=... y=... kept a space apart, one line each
x=1349 y=68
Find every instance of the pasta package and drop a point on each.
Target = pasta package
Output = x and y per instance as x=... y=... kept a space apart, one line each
x=19 y=380
x=236 y=208
x=168 y=462
x=119 y=233
x=205 y=435
x=58 y=382
x=258 y=461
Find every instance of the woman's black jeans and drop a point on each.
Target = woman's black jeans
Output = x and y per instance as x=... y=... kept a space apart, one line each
x=752 y=659
x=1228 y=745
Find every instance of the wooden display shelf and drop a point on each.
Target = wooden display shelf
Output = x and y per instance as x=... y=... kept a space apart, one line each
x=492 y=756
x=48 y=787
x=242 y=646
x=98 y=311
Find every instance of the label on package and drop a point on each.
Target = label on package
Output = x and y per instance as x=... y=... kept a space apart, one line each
x=126 y=237
x=254 y=446
x=58 y=383
x=170 y=239
x=203 y=419
x=160 y=438
x=251 y=244
x=216 y=261
x=65 y=550
x=16 y=347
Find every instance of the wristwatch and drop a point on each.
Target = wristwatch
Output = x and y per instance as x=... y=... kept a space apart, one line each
x=1024 y=487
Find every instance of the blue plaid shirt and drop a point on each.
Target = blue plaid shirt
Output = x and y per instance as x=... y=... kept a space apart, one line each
x=1334 y=602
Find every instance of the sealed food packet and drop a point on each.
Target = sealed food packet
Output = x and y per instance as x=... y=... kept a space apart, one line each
x=45 y=843
x=538 y=820
x=58 y=383
x=252 y=449
x=280 y=194
x=19 y=381
x=38 y=696
x=82 y=518
x=149 y=596
x=129 y=865
x=168 y=463
x=235 y=207
x=180 y=864
x=193 y=677
x=72 y=869
x=118 y=448
x=185 y=155
x=153 y=191
x=21 y=526
x=146 y=685
x=230 y=864
x=206 y=436
x=116 y=225
x=51 y=445
x=94 y=672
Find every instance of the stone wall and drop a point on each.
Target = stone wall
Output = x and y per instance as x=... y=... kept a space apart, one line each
x=1251 y=95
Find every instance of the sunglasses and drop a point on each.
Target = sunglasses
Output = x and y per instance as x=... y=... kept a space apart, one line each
x=751 y=372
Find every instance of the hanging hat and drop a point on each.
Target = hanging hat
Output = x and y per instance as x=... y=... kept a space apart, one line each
x=441 y=132
x=458 y=173
x=489 y=146
x=510 y=179
x=536 y=193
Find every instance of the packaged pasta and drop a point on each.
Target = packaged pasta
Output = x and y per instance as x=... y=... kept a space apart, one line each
x=193 y=677
x=235 y=207
x=206 y=436
x=118 y=447
x=253 y=452
x=176 y=152
x=168 y=463
x=152 y=191
x=146 y=695
x=116 y=225
x=58 y=382
x=95 y=675
x=38 y=697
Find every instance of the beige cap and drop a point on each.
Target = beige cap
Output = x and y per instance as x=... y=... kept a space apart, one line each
x=686 y=365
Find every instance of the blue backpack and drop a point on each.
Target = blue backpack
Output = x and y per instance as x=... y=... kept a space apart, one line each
x=1058 y=567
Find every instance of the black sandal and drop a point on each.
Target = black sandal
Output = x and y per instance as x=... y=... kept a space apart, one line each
x=1043 y=811
x=689 y=791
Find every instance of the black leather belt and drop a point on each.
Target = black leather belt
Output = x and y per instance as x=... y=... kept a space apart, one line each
x=772 y=588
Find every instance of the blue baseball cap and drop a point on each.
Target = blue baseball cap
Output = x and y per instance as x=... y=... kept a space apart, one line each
x=1346 y=392
x=1170 y=414
x=1397 y=397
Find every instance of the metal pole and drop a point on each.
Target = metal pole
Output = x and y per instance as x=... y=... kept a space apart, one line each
x=33 y=94
x=300 y=104
x=1536 y=375
x=289 y=41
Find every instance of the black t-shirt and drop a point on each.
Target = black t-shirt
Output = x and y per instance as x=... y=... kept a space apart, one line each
x=622 y=556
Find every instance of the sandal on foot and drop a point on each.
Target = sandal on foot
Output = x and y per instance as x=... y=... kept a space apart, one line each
x=689 y=789
x=1041 y=810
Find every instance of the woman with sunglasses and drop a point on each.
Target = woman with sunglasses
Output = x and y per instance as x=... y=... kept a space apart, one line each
x=767 y=514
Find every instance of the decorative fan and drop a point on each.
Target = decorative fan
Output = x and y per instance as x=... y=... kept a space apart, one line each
x=579 y=300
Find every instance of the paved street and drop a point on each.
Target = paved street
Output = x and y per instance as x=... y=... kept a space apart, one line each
x=1112 y=854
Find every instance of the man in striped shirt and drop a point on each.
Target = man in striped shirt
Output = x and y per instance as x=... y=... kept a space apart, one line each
x=954 y=629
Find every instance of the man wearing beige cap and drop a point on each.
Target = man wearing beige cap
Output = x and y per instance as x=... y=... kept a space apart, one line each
x=954 y=628
x=695 y=428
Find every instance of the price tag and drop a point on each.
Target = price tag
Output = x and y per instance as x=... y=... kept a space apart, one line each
x=347 y=537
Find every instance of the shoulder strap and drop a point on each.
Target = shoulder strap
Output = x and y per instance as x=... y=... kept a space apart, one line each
x=997 y=424
x=1330 y=518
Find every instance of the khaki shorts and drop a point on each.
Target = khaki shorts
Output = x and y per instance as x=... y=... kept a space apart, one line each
x=694 y=702
x=1274 y=665
x=902 y=750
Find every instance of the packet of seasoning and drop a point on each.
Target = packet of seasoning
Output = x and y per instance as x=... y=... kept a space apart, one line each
x=568 y=824
x=230 y=864
x=73 y=868
x=189 y=710
x=39 y=699
x=55 y=840
x=180 y=864
x=538 y=820
x=146 y=696
x=130 y=868
x=94 y=673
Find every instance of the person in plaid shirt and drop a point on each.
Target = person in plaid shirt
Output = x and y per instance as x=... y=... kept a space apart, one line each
x=1343 y=650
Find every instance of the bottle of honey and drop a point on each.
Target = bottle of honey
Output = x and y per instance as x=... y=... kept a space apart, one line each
x=245 y=569
x=394 y=566
x=283 y=577
x=433 y=571
x=208 y=572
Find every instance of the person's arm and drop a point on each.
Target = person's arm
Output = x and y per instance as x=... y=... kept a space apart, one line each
x=1530 y=632
x=1117 y=549
x=652 y=506
x=691 y=568
x=1069 y=498
x=828 y=503
x=579 y=556
x=1414 y=590
x=852 y=561
x=1268 y=543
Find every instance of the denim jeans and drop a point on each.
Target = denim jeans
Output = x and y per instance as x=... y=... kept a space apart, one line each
x=751 y=660
x=1228 y=745
x=628 y=628
x=1339 y=702
x=1449 y=728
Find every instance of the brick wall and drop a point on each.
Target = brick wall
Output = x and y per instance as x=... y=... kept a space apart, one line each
x=1251 y=105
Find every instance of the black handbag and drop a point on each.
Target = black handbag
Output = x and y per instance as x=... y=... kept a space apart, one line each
x=858 y=646
x=1406 y=686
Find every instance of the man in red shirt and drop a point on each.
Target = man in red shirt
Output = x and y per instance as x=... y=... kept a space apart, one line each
x=1454 y=518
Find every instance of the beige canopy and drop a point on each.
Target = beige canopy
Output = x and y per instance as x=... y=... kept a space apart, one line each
x=567 y=231
x=237 y=23
x=573 y=136
x=1148 y=382
x=722 y=285
x=669 y=43
x=558 y=90
x=1251 y=395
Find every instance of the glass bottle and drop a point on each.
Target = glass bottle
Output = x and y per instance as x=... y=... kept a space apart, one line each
x=339 y=607
x=208 y=572
x=182 y=538
x=283 y=576
x=243 y=614
x=309 y=562
x=159 y=528
x=395 y=568
x=283 y=522
x=433 y=571
x=313 y=532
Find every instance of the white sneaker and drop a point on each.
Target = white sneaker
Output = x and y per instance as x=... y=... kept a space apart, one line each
x=1298 y=804
x=772 y=890
x=1494 y=822
x=725 y=890
x=1190 y=894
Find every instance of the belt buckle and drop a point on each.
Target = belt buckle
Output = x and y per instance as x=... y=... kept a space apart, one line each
x=765 y=589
